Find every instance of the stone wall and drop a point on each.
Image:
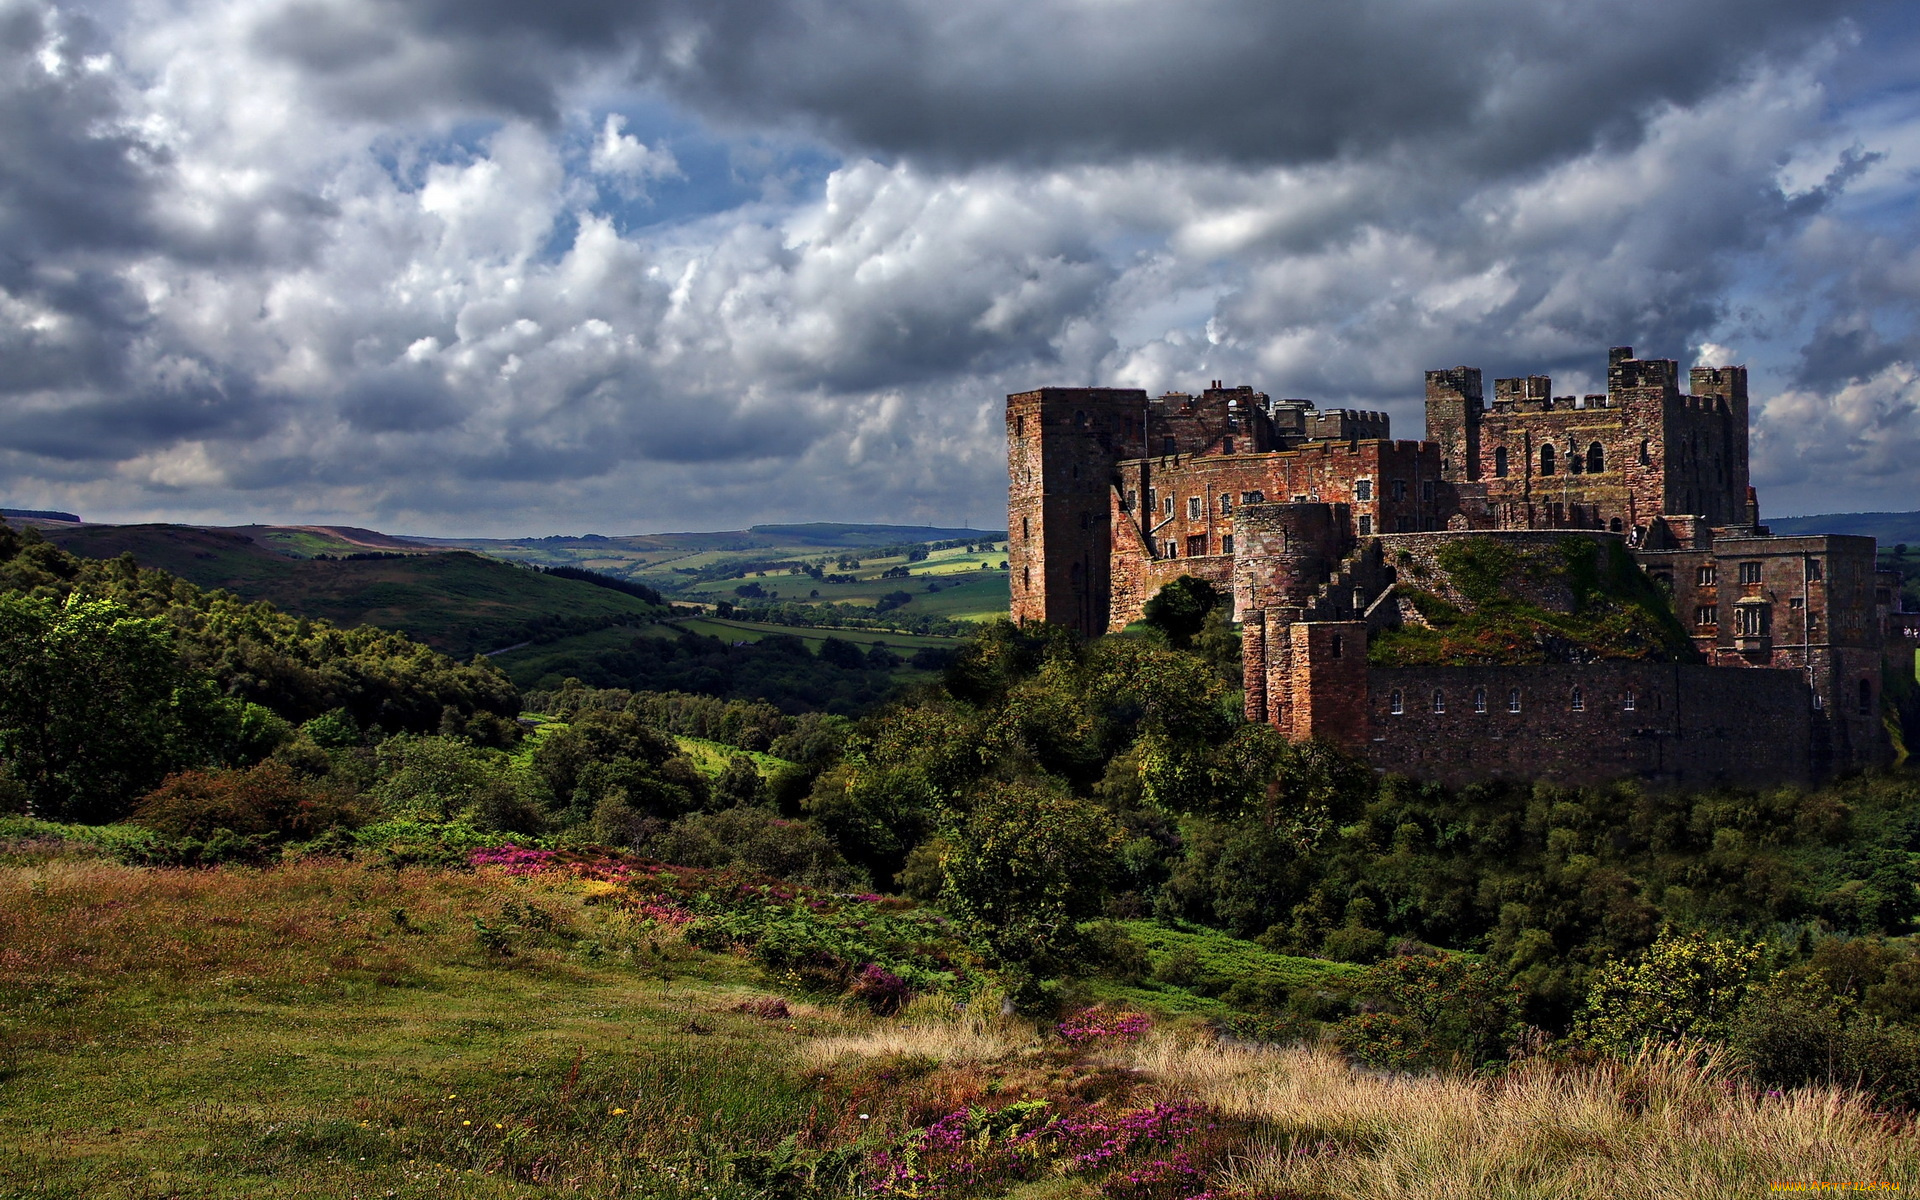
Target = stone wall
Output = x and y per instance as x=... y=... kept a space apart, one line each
x=1668 y=724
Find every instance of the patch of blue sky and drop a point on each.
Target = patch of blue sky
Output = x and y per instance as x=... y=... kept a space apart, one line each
x=716 y=174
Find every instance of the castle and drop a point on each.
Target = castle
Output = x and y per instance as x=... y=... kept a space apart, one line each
x=1307 y=518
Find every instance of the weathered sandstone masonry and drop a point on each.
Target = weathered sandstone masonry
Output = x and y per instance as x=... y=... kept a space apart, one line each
x=1306 y=517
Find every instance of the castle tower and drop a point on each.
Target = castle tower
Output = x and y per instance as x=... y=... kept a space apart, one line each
x=1453 y=420
x=1283 y=552
x=1062 y=444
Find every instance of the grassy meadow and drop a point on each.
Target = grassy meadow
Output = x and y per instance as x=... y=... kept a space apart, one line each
x=333 y=1028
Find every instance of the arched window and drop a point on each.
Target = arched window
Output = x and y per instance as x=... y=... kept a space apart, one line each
x=1615 y=526
x=1866 y=698
x=1080 y=419
x=1546 y=459
x=1396 y=703
x=1499 y=462
x=1646 y=453
x=1439 y=701
x=1480 y=700
x=1596 y=459
x=1579 y=700
x=1513 y=700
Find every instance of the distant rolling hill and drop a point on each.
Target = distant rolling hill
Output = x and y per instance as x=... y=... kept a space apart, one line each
x=1891 y=528
x=455 y=601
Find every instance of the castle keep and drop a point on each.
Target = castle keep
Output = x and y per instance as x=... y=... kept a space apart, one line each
x=1316 y=522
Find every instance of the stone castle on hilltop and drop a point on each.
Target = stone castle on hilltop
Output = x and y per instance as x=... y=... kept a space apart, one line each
x=1317 y=523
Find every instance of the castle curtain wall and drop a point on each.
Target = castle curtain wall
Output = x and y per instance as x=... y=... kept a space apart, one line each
x=1692 y=726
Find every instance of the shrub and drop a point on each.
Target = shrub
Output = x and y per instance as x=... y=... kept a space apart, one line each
x=755 y=838
x=1798 y=1029
x=1433 y=1012
x=1685 y=986
x=267 y=800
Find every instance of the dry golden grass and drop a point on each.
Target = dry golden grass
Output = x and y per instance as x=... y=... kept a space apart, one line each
x=931 y=1028
x=1662 y=1125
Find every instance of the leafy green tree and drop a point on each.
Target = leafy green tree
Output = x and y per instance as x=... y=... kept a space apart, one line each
x=447 y=779
x=96 y=708
x=1024 y=869
x=1179 y=610
x=740 y=783
x=1686 y=986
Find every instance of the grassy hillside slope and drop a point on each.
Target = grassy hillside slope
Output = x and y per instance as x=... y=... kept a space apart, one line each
x=1488 y=601
x=367 y=1031
x=457 y=602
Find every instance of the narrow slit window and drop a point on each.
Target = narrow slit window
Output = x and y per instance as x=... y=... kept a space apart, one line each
x=1479 y=700
x=1439 y=702
x=1629 y=704
x=1579 y=700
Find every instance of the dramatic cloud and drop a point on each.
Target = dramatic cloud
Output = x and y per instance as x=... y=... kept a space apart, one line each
x=528 y=268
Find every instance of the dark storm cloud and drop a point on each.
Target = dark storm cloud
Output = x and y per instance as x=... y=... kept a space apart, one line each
x=1496 y=83
x=72 y=175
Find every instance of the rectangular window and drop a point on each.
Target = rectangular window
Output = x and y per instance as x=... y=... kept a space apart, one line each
x=1399 y=489
x=1426 y=490
x=1166 y=506
x=1197 y=545
x=1133 y=498
x=1226 y=447
x=1752 y=619
x=1629 y=705
x=1815 y=572
x=1193 y=508
x=1706 y=614
x=1749 y=572
x=1366 y=526
x=1169 y=446
x=1226 y=543
x=1226 y=502
x=1705 y=577
x=1363 y=489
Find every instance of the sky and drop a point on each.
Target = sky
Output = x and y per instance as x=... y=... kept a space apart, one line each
x=490 y=267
